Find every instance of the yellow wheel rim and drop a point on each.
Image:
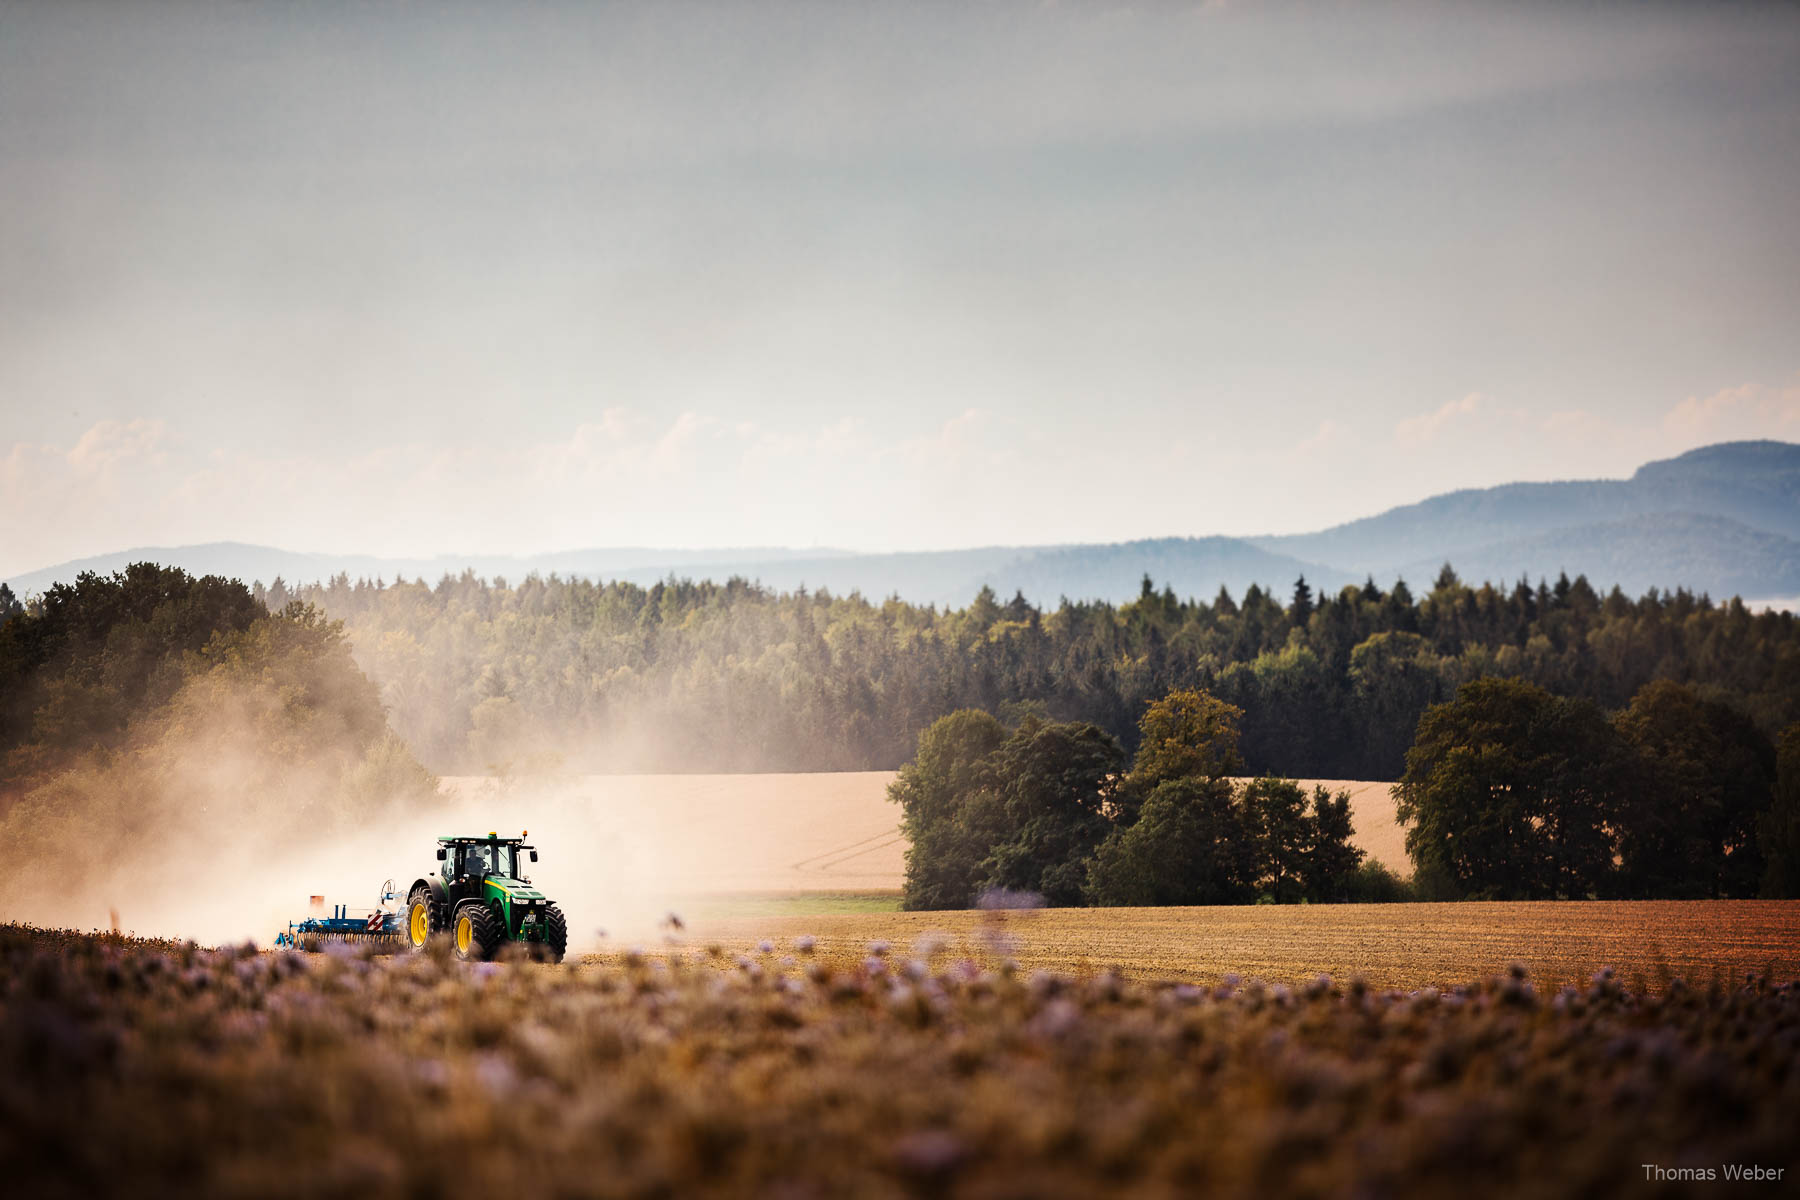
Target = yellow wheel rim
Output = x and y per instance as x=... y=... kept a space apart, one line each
x=465 y=935
x=417 y=924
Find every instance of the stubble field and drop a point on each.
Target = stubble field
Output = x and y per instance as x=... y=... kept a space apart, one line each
x=1405 y=946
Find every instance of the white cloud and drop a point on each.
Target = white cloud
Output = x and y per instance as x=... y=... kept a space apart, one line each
x=1747 y=411
x=1425 y=428
x=1329 y=437
x=110 y=444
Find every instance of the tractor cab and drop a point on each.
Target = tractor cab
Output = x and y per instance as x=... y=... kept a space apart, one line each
x=473 y=858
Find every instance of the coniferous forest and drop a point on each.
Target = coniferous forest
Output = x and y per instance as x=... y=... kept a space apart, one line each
x=568 y=674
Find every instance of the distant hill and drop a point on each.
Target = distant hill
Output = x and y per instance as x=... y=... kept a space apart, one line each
x=1710 y=554
x=1722 y=519
x=1643 y=529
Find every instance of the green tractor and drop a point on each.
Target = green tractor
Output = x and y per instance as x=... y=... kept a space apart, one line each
x=482 y=899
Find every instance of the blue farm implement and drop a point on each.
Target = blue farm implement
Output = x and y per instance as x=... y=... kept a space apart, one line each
x=375 y=927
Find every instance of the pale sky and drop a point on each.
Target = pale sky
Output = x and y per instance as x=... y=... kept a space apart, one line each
x=405 y=279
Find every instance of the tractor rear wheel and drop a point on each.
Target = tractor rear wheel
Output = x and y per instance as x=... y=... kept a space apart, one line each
x=475 y=933
x=556 y=932
x=423 y=918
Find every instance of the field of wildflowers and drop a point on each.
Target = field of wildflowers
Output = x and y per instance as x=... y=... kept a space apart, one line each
x=159 y=1068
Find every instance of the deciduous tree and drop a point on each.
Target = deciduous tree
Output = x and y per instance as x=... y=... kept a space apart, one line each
x=1513 y=794
x=1188 y=846
x=1704 y=774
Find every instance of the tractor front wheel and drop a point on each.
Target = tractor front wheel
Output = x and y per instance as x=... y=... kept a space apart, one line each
x=475 y=933
x=422 y=918
x=556 y=932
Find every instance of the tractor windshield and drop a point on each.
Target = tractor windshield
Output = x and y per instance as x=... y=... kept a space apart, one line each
x=495 y=859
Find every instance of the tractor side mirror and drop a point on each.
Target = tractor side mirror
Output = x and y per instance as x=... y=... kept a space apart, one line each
x=534 y=856
x=440 y=854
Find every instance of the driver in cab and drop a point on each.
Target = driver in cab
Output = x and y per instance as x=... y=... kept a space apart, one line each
x=474 y=862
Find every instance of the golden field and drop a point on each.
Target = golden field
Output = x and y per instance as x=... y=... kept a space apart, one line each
x=1403 y=946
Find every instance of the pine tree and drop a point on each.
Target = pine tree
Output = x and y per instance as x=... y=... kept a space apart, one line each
x=1301 y=610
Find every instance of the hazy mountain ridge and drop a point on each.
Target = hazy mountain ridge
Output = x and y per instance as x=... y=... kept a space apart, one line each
x=1753 y=484
x=1722 y=519
x=1702 y=553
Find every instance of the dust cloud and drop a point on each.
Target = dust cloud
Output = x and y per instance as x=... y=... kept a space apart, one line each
x=617 y=853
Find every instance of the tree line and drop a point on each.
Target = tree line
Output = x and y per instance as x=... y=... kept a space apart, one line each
x=481 y=674
x=1510 y=793
x=1056 y=811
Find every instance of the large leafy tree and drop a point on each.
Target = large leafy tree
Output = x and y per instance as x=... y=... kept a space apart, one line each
x=1513 y=794
x=1188 y=734
x=1179 y=836
x=1188 y=846
x=1280 y=835
x=949 y=808
x=1704 y=774
x=1056 y=782
x=1330 y=862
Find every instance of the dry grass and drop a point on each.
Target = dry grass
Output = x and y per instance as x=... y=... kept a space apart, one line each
x=1390 y=945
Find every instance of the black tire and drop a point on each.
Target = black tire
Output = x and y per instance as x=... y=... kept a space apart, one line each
x=480 y=938
x=420 y=903
x=556 y=932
